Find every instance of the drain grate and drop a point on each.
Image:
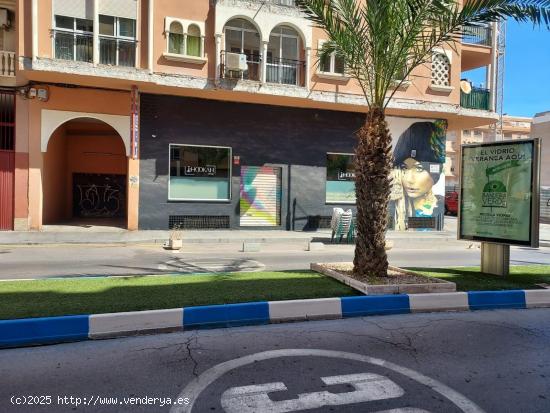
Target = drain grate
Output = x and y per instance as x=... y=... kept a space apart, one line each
x=199 y=221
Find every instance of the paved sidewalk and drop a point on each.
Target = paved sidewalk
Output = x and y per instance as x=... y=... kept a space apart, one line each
x=115 y=235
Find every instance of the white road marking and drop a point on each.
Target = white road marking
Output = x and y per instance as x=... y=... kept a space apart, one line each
x=194 y=388
x=368 y=387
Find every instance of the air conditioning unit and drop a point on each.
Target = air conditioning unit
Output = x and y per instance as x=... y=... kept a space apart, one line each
x=236 y=61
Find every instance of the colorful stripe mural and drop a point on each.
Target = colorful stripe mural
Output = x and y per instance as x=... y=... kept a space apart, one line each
x=260 y=201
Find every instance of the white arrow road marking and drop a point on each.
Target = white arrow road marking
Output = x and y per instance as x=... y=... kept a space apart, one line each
x=195 y=387
x=368 y=387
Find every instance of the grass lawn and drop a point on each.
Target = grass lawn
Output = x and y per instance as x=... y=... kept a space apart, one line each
x=41 y=298
x=471 y=279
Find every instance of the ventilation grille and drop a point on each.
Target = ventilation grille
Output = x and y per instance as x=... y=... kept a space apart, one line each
x=441 y=68
x=199 y=221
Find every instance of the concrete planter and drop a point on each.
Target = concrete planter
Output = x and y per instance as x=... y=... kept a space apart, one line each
x=439 y=286
x=175 y=244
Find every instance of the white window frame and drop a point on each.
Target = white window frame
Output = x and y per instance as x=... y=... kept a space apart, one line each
x=185 y=24
x=331 y=74
x=449 y=55
x=118 y=37
x=73 y=32
x=278 y=32
x=338 y=202
x=230 y=177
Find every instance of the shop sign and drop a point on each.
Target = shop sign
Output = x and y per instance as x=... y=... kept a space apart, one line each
x=499 y=192
x=346 y=176
x=208 y=170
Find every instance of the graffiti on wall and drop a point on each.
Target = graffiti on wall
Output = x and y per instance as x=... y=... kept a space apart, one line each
x=418 y=194
x=99 y=196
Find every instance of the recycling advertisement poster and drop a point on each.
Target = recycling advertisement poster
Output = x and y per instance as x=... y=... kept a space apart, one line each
x=497 y=192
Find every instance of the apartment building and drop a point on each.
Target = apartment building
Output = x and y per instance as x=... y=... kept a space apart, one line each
x=509 y=128
x=206 y=114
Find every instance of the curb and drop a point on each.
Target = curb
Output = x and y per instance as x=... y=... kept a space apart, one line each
x=50 y=330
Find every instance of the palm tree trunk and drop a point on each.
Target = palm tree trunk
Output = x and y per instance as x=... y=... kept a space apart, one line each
x=373 y=165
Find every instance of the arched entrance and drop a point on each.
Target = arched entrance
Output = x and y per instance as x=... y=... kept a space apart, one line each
x=85 y=175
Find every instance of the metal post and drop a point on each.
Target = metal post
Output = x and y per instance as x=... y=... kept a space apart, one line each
x=495 y=259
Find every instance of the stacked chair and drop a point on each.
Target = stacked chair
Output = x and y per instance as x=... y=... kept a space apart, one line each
x=342 y=225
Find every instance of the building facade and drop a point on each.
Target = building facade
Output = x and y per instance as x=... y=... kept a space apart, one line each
x=511 y=127
x=541 y=129
x=218 y=114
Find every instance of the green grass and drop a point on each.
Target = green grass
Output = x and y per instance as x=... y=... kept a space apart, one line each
x=41 y=298
x=471 y=279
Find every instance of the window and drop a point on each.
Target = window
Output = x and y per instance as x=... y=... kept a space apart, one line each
x=175 y=38
x=441 y=70
x=340 y=185
x=73 y=39
x=117 y=41
x=242 y=37
x=193 y=41
x=199 y=173
x=331 y=63
x=185 y=40
x=282 y=64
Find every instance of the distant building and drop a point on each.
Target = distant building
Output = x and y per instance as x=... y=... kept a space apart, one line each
x=541 y=129
x=512 y=127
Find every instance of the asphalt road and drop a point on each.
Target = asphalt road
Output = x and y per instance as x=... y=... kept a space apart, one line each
x=491 y=361
x=70 y=260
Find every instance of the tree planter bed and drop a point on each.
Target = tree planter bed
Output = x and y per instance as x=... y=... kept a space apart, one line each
x=406 y=282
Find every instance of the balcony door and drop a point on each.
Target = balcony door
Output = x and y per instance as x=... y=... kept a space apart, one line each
x=242 y=37
x=283 y=56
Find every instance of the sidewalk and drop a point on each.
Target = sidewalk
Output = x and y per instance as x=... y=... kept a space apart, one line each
x=115 y=235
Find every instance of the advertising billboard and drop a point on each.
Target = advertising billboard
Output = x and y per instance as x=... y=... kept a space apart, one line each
x=499 y=194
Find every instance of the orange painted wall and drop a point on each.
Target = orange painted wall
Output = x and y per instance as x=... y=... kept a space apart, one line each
x=196 y=11
x=69 y=153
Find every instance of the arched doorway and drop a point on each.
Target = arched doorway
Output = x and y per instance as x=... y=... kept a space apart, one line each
x=242 y=37
x=84 y=175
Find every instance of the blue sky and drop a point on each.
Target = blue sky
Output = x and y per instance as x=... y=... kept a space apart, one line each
x=527 y=70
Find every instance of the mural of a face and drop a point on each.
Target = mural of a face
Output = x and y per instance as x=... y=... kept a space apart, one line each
x=419 y=154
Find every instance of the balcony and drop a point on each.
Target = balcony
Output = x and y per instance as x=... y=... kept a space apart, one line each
x=285 y=71
x=79 y=47
x=7 y=64
x=478 y=98
x=289 y=3
x=252 y=73
x=478 y=35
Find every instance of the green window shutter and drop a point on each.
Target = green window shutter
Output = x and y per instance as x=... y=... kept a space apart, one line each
x=193 y=46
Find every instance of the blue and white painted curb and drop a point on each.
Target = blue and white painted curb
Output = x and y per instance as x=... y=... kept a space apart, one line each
x=48 y=330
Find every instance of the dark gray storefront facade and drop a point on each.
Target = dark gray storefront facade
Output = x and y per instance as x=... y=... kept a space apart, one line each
x=293 y=141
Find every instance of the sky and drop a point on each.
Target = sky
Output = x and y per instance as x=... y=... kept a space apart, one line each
x=527 y=70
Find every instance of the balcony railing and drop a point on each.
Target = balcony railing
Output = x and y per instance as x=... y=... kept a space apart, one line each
x=290 y=3
x=73 y=46
x=117 y=52
x=478 y=35
x=252 y=73
x=478 y=98
x=285 y=71
x=7 y=64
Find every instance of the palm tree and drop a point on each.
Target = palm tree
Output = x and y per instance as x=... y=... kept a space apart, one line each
x=382 y=41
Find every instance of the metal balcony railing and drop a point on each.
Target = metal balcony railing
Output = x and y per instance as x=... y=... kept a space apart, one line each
x=478 y=35
x=7 y=64
x=117 y=52
x=285 y=71
x=290 y=3
x=73 y=46
x=253 y=62
x=478 y=98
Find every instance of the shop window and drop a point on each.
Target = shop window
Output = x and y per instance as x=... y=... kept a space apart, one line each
x=199 y=173
x=340 y=184
x=73 y=39
x=117 y=41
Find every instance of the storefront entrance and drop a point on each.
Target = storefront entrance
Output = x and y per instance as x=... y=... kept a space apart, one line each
x=260 y=196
